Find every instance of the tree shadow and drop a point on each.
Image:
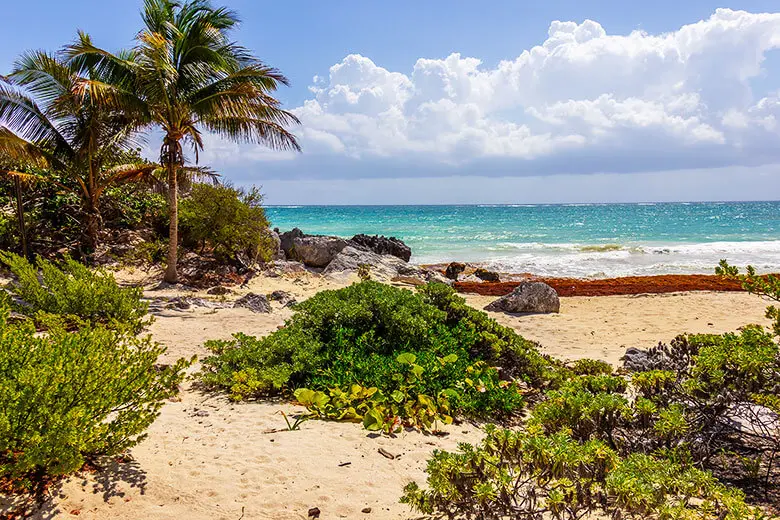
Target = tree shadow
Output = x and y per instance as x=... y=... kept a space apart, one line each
x=108 y=476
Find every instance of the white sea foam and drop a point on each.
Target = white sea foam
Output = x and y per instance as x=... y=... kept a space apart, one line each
x=609 y=260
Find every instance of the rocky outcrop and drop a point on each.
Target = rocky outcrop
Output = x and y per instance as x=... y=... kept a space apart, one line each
x=254 y=302
x=286 y=240
x=277 y=253
x=315 y=250
x=528 y=298
x=454 y=270
x=382 y=245
x=382 y=267
x=487 y=276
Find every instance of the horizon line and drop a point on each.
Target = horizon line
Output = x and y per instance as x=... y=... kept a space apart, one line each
x=488 y=204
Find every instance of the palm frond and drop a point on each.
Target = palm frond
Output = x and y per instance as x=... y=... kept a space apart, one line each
x=21 y=114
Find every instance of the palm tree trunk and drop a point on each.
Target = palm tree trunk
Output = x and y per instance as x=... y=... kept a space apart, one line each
x=20 y=215
x=171 y=273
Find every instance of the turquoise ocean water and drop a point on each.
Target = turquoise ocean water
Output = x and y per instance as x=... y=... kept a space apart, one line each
x=582 y=240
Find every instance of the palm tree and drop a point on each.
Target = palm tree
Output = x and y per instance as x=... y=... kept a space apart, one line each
x=186 y=76
x=49 y=122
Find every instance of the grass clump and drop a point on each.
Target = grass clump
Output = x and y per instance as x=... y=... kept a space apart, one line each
x=73 y=293
x=68 y=397
x=375 y=347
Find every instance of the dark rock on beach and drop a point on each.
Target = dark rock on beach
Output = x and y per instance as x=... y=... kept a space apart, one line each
x=382 y=245
x=637 y=360
x=528 y=298
x=282 y=297
x=454 y=270
x=487 y=276
x=254 y=302
x=286 y=240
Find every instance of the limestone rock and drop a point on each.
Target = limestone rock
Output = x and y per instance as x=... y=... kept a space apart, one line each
x=286 y=240
x=254 y=302
x=528 y=297
x=382 y=245
x=382 y=267
x=316 y=251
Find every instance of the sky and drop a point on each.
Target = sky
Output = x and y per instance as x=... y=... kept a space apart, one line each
x=506 y=101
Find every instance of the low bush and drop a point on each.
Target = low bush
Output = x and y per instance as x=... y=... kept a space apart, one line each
x=227 y=220
x=520 y=474
x=72 y=292
x=666 y=443
x=366 y=335
x=66 y=397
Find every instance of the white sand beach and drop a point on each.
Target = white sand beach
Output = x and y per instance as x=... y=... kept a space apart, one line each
x=209 y=458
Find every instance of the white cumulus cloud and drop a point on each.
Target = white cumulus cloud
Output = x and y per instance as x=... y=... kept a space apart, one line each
x=602 y=102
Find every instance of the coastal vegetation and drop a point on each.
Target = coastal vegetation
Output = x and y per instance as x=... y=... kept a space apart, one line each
x=691 y=434
x=74 y=118
x=85 y=388
x=687 y=437
x=385 y=356
x=73 y=293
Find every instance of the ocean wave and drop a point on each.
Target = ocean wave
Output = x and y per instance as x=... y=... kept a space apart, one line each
x=612 y=259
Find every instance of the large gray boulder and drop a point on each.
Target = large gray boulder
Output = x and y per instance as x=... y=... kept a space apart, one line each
x=316 y=251
x=286 y=240
x=528 y=298
x=382 y=245
x=382 y=267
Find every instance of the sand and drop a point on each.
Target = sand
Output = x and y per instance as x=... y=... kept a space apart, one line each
x=208 y=458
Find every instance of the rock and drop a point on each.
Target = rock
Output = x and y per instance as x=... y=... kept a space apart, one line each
x=286 y=240
x=219 y=291
x=528 y=297
x=637 y=360
x=282 y=297
x=382 y=245
x=454 y=269
x=254 y=302
x=285 y=268
x=753 y=419
x=383 y=267
x=276 y=246
x=316 y=251
x=488 y=276
x=366 y=510
x=314 y=512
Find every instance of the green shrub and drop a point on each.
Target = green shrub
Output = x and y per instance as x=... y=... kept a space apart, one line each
x=228 y=220
x=74 y=293
x=66 y=397
x=517 y=474
x=354 y=336
x=134 y=206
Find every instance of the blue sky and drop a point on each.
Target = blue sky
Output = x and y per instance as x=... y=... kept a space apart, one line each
x=437 y=102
